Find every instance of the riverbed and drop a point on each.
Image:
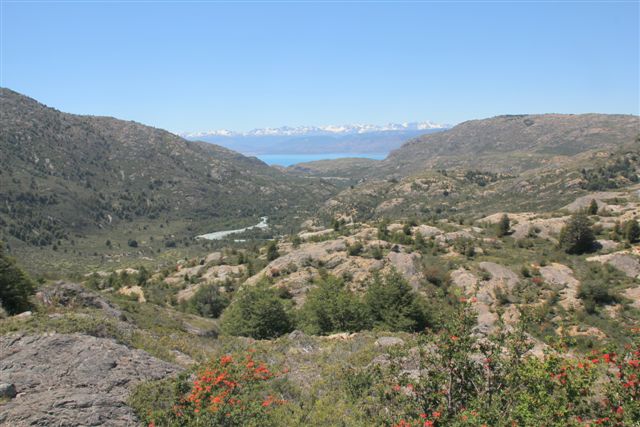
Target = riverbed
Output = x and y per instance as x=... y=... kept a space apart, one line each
x=219 y=235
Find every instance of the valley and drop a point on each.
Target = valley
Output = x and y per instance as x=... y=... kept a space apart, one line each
x=444 y=283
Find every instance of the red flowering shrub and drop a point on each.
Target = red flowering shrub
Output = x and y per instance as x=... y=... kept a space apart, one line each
x=229 y=391
x=621 y=403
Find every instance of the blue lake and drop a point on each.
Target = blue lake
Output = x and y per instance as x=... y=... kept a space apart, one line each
x=292 y=159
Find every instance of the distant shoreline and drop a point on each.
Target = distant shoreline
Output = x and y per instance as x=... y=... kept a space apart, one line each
x=292 y=159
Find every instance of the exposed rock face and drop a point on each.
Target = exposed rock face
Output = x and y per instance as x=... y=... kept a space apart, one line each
x=464 y=280
x=389 y=341
x=600 y=198
x=561 y=275
x=502 y=279
x=405 y=264
x=73 y=294
x=72 y=380
x=622 y=260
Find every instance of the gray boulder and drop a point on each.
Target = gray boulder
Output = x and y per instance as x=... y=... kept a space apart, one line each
x=73 y=379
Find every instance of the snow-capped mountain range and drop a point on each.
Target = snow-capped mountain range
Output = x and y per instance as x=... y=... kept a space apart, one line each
x=351 y=129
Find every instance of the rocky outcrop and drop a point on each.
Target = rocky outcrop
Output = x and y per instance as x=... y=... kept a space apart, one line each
x=623 y=261
x=72 y=379
x=74 y=295
x=562 y=276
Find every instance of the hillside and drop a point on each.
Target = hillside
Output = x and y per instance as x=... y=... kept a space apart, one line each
x=65 y=177
x=515 y=143
x=475 y=167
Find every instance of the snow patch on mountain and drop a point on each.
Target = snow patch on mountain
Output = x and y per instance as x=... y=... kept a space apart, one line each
x=321 y=130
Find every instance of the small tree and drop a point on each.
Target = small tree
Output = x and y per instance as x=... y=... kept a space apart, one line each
x=593 y=207
x=15 y=286
x=331 y=307
x=576 y=236
x=503 y=226
x=257 y=312
x=631 y=231
x=383 y=232
x=272 y=251
x=394 y=306
x=208 y=301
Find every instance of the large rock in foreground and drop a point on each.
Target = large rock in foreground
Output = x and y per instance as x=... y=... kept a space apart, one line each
x=71 y=380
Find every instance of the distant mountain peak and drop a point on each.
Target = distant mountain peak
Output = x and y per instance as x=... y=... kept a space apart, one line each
x=349 y=129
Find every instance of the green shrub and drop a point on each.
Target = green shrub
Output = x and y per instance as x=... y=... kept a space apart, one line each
x=394 y=306
x=631 y=231
x=576 y=236
x=233 y=390
x=355 y=249
x=208 y=301
x=331 y=307
x=503 y=226
x=272 y=251
x=15 y=286
x=257 y=312
x=464 y=379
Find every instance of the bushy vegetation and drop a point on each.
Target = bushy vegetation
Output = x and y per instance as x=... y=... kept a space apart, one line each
x=448 y=377
x=15 y=286
x=622 y=171
x=257 y=312
x=598 y=289
x=232 y=390
x=208 y=301
x=504 y=225
x=331 y=307
x=631 y=231
x=394 y=306
x=577 y=236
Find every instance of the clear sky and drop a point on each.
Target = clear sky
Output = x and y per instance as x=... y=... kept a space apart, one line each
x=192 y=66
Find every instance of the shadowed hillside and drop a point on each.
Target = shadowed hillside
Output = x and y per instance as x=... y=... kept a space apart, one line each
x=64 y=177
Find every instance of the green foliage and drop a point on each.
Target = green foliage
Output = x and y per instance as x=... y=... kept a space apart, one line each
x=436 y=274
x=233 y=390
x=383 y=232
x=331 y=307
x=355 y=249
x=257 y=312
x=621 y=171
x=376 y=252
x=15 y=286
x=208 y=301
x=467 y=380
x=394 y=306
x=598 y=288
x=576 y=236
x=272 y=251
x=504 y=225
x=631 y=231
x=593 y=207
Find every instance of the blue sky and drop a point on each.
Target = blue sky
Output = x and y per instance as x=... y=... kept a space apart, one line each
x=203 y=65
